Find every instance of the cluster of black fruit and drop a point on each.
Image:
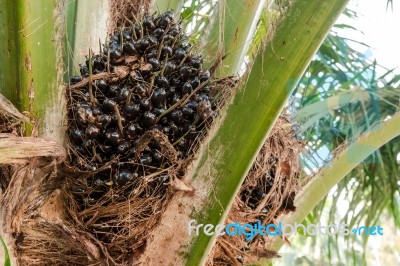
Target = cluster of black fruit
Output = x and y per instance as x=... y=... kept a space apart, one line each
x=145 y=78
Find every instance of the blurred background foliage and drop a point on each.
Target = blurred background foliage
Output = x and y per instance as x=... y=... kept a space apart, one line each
x=343 y=94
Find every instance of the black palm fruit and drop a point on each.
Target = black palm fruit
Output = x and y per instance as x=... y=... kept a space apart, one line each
x=109 y=118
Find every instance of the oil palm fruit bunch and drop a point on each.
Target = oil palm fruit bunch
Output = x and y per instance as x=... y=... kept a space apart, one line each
x=144 y=86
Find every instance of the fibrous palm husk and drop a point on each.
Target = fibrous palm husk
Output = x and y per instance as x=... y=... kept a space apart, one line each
x=268 y=190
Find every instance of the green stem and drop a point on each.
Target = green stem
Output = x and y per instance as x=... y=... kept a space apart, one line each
x=345 y=161
x=71 y=10
x=231 y=34
x=91 y=26
x=7 y=261
x=9 y=56
x=255 y=108
x=32 y=74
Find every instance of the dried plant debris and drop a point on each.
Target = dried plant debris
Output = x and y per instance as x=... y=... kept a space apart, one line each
x=11 y=119
x=121 y=11
x=136 y=114
x=268 y=191
x=11 y=124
